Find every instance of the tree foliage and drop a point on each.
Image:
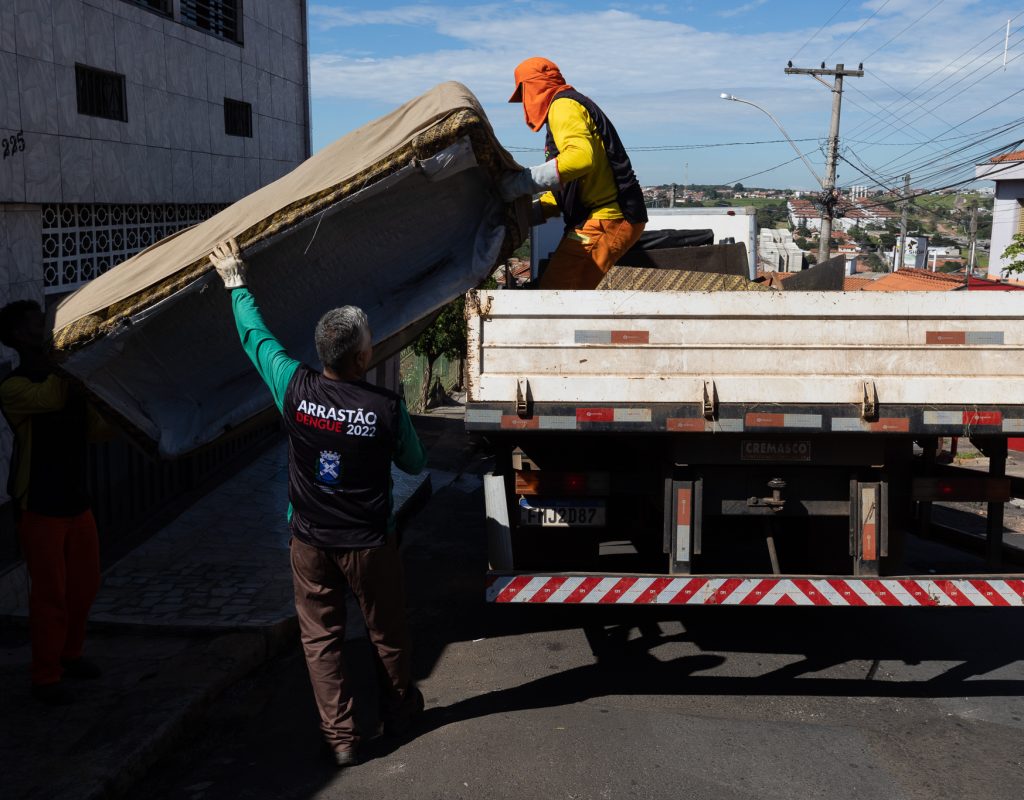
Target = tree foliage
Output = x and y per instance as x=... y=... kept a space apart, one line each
x=1015 y=251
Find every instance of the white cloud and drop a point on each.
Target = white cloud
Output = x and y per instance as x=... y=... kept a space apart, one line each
x=665 y=76
x=746 y=8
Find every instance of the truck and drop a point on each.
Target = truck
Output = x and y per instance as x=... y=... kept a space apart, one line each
x=742 y=448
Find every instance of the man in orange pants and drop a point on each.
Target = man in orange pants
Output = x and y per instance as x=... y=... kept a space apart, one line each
x=51 y=422
x=587 y=178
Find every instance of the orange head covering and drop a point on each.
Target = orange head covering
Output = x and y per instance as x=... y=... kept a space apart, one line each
x=537 y=82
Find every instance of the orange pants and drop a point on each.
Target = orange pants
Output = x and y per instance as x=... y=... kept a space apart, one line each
x=587 y=253
x=63 y=558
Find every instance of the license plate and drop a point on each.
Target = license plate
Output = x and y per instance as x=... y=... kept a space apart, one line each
x=569 y=514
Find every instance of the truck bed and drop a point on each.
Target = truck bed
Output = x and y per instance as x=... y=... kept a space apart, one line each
x=706 y=362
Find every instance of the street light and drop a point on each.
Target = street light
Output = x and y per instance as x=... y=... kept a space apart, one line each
x=726 y=96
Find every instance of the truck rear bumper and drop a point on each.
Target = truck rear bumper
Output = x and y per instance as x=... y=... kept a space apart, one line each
x=934 y=592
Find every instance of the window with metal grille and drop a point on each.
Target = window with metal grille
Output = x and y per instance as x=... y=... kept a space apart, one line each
x=159 y=6
x=83 y=241
x=237 y=118
x=219 y=17
x=100 y=93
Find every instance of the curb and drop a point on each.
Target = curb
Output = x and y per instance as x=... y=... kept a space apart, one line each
x=251 y=648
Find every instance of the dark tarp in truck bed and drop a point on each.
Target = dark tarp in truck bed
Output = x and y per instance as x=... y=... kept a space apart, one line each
x=398 y=217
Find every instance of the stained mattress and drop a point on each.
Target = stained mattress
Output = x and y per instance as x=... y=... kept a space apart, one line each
x=399 y=217
x=645 y=279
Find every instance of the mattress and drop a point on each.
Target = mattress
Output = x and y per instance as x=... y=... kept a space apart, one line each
x=398 y=217
x=644 y=279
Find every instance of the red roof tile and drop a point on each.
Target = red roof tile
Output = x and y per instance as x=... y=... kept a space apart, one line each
x=916 y=280
x=1018 y=156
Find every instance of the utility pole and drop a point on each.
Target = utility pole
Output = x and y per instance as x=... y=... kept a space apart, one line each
x=974 y=236
x=904 y=211
x=829 y=196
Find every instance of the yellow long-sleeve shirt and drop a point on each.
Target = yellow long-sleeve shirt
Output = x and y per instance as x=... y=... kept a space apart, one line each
x=581 y=156
x=21 y=400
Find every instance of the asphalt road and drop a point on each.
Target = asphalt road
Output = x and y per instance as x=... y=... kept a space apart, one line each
x=635 y=703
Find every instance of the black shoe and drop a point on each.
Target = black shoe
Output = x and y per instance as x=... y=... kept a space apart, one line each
x=403 y=722
x=80 y=668
x=344 y=758
x=53 y=694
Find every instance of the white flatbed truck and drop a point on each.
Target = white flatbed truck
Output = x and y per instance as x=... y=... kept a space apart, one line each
x=741 y=448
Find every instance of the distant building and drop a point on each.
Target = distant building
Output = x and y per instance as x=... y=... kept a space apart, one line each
x=858 y=192
x=1008 y=211
x=124 y=121
x=851 y=214
x=777 y=252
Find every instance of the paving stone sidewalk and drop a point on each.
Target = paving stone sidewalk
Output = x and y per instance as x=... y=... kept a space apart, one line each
x=222 y=564
x=194 y=609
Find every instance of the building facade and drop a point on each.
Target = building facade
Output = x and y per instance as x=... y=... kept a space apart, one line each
x=124 y=121
x=1008 y=210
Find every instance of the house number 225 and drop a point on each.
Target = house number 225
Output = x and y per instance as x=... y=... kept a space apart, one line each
x=13 y=144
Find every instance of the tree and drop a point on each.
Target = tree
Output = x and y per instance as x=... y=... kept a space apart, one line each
x=445 y=336
x=1015 y=250
x=803 y=230
x=950 y=266
x=801 y=242
x=737 y=187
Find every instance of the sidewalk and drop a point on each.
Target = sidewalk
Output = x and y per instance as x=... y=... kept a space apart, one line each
x=191 y=611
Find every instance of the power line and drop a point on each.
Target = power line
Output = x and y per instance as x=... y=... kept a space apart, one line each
x=968 y=119
x=815 y=34
x=946 y=100
x=670 y=147
x=762 y=172
x=898 y=35
x=865 y=22
x=998 y=32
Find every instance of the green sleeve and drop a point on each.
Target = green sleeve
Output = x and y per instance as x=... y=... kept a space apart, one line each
x=267 y=354
x=409 y=455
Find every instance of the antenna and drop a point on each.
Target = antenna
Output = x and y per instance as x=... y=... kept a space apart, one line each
x=1006 y=44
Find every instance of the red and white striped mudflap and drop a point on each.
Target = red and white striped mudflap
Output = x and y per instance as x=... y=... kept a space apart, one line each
x=626 y=590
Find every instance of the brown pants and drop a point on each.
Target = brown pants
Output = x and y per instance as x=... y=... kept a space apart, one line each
x=375 y=577
x=63 y=558
x=587 y=253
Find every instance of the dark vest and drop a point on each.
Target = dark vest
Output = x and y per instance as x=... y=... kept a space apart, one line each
x=58 y=463
x=341 y=436
x=631 y=196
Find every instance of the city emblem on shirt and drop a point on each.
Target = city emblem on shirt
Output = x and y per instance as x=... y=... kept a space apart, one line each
x=329 y=469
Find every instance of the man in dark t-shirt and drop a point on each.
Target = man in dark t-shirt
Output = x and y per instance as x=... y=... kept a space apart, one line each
x=343 y=435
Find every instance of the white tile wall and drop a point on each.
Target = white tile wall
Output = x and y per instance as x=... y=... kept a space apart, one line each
x=37 y=88
x=173 y=147
x=33 y=27
x=42 y=167
x=76 y=169
x=9 y=95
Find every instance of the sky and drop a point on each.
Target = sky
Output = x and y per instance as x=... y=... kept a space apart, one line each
x=935 y=97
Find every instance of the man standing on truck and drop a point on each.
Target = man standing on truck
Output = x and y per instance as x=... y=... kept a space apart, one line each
x=343 y=434
x=587 y=177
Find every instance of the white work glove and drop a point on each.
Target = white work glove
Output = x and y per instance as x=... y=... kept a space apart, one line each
x=529 y=181
x=227 y=260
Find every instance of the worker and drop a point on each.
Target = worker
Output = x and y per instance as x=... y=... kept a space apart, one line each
x=52 y=424
x=343 y=435
x=586 y=177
